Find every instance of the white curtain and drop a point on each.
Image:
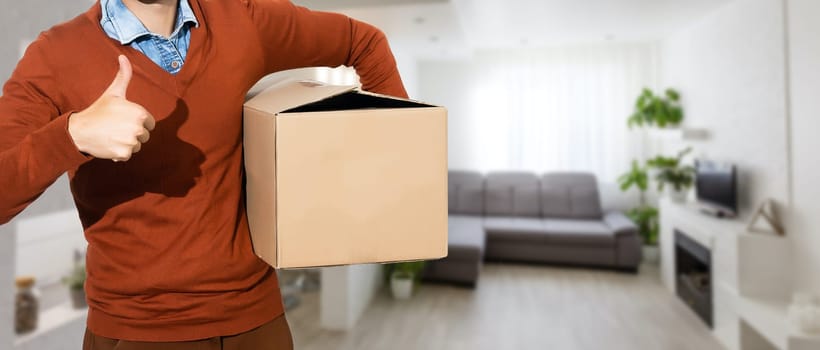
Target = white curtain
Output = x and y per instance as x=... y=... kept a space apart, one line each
x=548 y=109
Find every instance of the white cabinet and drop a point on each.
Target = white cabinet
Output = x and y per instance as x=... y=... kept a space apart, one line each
x=751 y=278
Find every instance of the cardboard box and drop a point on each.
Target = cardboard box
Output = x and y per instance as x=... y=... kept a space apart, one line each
x=337 y=176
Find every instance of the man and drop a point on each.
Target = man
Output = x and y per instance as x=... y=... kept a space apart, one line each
x=140 y=101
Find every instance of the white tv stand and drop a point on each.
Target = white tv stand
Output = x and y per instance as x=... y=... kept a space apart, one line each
x=751 y=278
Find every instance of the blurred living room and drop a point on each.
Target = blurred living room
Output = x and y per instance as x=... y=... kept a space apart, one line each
x=623 y=174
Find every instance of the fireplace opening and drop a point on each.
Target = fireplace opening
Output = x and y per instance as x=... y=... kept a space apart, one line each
x=693 y=271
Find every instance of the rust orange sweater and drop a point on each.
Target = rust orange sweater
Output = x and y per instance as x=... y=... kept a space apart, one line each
x=169 y=254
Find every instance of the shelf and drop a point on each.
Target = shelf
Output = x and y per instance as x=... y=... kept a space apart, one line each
x=50 y=322
x=680 y=134
x=769 y=318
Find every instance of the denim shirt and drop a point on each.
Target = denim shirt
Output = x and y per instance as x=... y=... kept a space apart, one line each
x=169 y=53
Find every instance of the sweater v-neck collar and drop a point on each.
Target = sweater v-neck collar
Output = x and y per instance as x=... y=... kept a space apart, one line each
x=175 y=84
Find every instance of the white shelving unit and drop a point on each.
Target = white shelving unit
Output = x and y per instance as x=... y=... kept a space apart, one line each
x=751 y=278
x=679 y=134
x=60 y=327
x=39 y=246
x=766 y=317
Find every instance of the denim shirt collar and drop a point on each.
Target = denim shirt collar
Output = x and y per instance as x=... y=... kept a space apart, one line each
x=119 y=23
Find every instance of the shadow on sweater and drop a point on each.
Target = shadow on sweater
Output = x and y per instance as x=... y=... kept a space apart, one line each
x=167 y=165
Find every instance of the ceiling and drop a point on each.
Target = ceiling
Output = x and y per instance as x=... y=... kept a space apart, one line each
x=440 y=29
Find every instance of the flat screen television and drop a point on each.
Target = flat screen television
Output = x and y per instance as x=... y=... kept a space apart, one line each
x=716 y=188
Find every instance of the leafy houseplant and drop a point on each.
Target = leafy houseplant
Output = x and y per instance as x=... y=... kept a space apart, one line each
x=638 y=177
x=671 y=172
x=657 y=110
x=75 y=282
x=644 y=215
x=403 y=276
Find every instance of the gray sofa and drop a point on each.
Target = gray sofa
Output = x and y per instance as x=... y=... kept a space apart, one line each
x=517 y=216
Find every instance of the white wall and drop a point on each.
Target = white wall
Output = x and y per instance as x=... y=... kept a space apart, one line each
x=750 y=74
x=23 y=20
x=455 y=83
x=46 y=245
x=542 y=109
x=7 y=289
x=408 y=68
x=444 y=83
x=730 y=69
x=804 y=221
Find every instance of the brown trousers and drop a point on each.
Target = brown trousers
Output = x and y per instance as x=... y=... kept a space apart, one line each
x=274 y=335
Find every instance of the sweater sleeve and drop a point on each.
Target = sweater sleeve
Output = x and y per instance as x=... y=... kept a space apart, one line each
x=296 y=37
x=35 y=146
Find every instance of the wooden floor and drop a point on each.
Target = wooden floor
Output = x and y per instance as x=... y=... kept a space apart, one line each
x=519 y=307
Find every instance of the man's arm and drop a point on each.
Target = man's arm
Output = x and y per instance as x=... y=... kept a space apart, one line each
x=39 y=142
x=35 y=146
x=295 y=37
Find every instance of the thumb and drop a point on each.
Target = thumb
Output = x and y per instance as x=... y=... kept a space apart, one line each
x=119 y=86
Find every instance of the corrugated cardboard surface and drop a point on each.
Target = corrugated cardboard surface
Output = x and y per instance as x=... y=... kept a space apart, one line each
x=260 y=170
x=349 y=187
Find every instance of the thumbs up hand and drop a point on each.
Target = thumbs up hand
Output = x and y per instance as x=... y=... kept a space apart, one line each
x=112 y=127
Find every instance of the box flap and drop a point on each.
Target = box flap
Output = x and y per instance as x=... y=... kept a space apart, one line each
x=277 y=95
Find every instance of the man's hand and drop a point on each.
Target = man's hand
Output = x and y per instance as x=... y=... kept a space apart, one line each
x=112 y=127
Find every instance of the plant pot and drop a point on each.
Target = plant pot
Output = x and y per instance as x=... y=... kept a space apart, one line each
x=402 y=286
x=651 y=254
x=78 y=298
x=677 y=196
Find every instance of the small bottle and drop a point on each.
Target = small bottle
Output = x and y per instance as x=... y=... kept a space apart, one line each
x=26 y=305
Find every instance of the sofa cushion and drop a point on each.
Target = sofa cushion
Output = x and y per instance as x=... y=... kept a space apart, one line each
x=515 y=229
x=552 y=231
x=568 y=231
x=512 y=194
x=465 y=237
x=465 y=190
x=570 y=196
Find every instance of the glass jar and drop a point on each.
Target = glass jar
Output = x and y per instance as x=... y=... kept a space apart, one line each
x=26 y=305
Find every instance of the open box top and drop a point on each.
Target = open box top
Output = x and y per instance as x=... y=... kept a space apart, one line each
x=299 y=96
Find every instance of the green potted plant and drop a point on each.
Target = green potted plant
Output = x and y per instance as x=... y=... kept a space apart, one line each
x=644 y=215
x=403 y=277
x=656 y=110
x=638 y=177
x=671 y=175
x=75 y=282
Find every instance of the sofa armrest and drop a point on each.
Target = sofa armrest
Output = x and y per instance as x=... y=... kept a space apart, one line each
x=620 y=224
x=627 y=240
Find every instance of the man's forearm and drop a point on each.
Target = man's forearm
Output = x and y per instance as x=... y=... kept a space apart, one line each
x=315 y=38
x=374 y=61
x=32 y=165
